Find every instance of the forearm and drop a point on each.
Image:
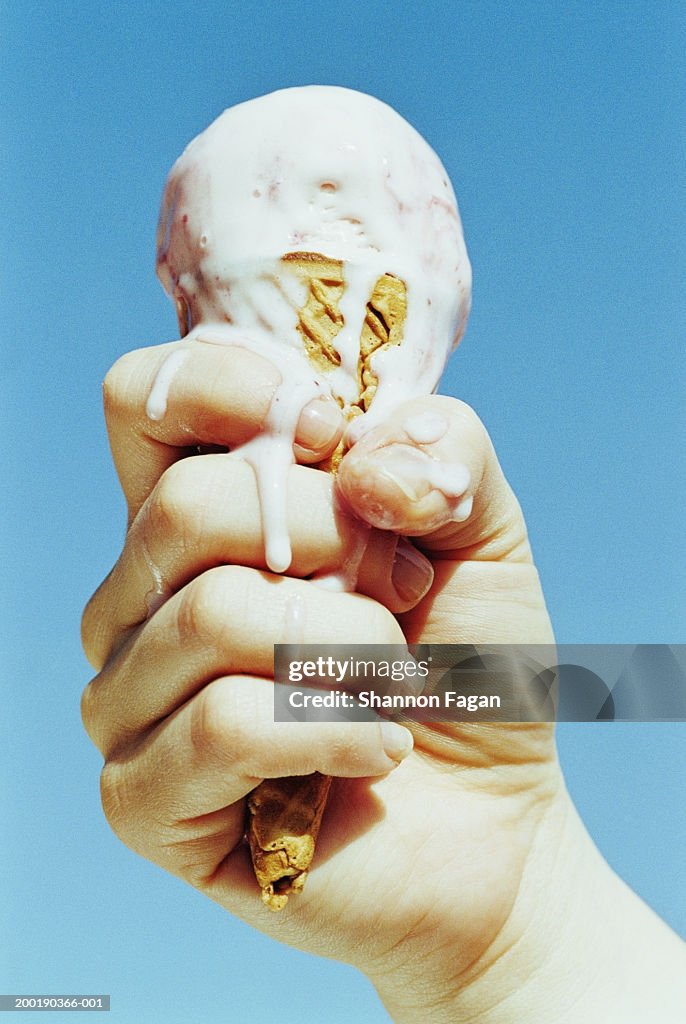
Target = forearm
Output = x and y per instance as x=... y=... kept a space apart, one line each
x=579 y=947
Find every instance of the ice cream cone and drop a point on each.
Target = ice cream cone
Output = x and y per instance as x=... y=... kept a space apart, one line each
x=284 y=819
x=322 y=201
x=284 y=815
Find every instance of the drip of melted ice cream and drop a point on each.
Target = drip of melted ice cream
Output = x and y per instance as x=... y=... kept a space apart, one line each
x=324 y=170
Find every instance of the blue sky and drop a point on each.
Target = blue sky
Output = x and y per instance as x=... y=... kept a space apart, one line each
x=561 y=125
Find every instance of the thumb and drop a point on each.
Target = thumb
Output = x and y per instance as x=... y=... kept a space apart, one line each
x=430 y=471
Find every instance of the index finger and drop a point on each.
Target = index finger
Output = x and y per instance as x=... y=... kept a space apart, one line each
x=162 y=402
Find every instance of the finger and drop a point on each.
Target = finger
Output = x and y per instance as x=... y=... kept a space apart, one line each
x=205 y=511
x=162 y=402
x=224 y=622
x=224 y=742
x=178 y=799
x=430 y=471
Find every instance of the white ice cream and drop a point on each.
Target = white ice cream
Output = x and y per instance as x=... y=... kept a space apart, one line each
x=312 y=169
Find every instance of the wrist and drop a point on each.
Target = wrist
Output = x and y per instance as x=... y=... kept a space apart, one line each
x=578 y=948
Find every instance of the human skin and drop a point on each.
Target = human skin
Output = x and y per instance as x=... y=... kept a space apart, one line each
x=455 y=874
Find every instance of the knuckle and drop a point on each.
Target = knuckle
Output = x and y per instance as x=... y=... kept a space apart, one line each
x=216 y=729
x=89 y=635
x=170 y=508
x=209 y=609
x=88 y=712
x=116 y=807
x=137 y=816
x=97 y=626
x=116 y=387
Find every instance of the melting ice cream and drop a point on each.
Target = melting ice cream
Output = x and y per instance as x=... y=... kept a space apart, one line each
x=282 y=226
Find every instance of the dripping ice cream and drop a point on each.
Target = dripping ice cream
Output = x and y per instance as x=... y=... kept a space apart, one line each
x=315 y=227
x=281 y=195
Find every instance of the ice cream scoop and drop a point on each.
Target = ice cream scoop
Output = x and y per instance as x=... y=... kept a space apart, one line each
x=316 y=227
x=326 y=173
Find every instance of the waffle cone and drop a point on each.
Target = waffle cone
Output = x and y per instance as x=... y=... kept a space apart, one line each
x=284 y=815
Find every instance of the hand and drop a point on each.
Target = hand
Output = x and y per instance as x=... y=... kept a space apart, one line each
x=427 y=874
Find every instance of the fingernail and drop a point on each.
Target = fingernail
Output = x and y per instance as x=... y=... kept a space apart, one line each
x=319 y=424
x=412 y=574
x=463 y=510
x=406 y=467
x=397 y=740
